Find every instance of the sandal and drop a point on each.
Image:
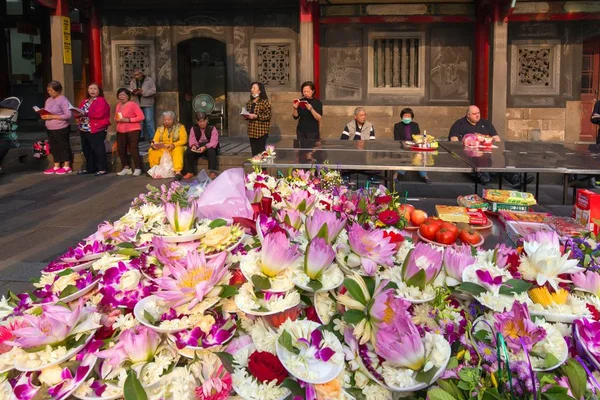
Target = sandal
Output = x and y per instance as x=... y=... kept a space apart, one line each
x=100 y=173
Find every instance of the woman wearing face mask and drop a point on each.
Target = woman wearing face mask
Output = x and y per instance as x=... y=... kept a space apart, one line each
x=309 y=113
x=259 y=118
x=403 y=131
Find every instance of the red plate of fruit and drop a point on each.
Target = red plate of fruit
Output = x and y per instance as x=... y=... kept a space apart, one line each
x=442 y=233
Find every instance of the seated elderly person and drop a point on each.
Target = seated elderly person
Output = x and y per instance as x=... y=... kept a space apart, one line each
x=171 y=137
x=203 y=142
x=359 y=127
x=472 y=123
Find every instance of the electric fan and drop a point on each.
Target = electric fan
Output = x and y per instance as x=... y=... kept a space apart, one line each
x=203 y=103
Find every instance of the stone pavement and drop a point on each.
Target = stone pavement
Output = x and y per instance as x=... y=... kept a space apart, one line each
x=41 y=216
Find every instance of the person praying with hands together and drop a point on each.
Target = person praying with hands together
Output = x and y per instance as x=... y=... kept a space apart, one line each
x=309 y=112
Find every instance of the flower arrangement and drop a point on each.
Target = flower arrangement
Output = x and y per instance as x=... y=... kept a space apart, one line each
x=317 y=292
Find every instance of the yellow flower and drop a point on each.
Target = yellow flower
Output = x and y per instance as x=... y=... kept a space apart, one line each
x=217 y=236
x=543 y=296
x=494 y=380
x=328 y=391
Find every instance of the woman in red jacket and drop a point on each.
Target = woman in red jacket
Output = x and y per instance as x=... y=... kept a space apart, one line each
x=92 y=129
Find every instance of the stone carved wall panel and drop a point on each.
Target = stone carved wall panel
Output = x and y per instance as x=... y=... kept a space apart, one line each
x=131 y=54
x=106 y=56
x=240 y=55
x=535 y=68
x=344 y=64
x=273 y=62
x=163 y=76
x=450 y=66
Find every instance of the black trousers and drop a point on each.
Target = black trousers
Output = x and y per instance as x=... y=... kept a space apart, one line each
x=129 y=140
x=190 y=160
x=92 y=145
x=4 y=148
x=258 y=145
x=60 y=144
x=310 y=136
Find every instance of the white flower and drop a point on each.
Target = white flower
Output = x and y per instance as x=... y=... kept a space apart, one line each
x=45 y=279
x=124 y=322
x=376 y=392
x=107 y=261
x=264 y=338
x=51 y=376
x=361 y=380
x=544 y=263
x=130 y=280
x=5 y=308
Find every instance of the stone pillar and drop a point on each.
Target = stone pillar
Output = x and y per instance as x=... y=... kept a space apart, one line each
x=306 y=42
x=60 y=35
x=499 y=73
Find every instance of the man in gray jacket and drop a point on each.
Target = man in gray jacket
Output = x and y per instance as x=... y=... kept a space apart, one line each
x=143 y=89
x=359 y=128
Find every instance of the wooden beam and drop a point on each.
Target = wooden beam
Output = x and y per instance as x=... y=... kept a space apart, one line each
x=579 y=16
x=406 y=19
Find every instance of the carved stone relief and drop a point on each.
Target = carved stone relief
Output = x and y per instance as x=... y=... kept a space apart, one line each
x=450 y=74
x=131 y=54
x=535 y=68
x=240 y=54
x=164 y=74
x=538 y=29
x=136 y=26
x=344 y=60
x=106 y=54
x=273 y=64
x=209 y=26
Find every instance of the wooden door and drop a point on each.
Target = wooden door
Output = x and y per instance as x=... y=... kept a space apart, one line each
x=590 y=86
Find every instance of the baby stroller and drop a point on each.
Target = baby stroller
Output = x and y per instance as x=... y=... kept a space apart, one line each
x=9 y=112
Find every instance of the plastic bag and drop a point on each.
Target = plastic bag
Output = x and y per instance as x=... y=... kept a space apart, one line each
x=225 y=197
x=164 y=169
x=199 y=184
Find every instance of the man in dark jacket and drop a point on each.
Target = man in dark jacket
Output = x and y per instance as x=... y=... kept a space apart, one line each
x=596 y=119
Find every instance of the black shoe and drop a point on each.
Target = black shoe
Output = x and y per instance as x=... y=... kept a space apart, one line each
x=100 y=173
x=178 y=177
x=483 y=178
x=427 y=180
x=84 y=172
x=530 y=179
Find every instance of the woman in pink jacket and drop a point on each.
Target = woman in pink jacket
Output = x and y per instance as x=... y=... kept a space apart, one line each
x=92 y=129
x=128 y=118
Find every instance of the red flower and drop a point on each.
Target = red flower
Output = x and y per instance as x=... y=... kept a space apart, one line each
x=326 y=204
x=594 y=311
x=276 y=197
x=389 y=217
x=311 y=314
x=237 y=278
x=383 y=199
x=266 y=367
x=394 y=237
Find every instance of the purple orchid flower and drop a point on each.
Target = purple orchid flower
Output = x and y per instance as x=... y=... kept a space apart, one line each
x=24 y=389
x=314 y=344
x=486 y=278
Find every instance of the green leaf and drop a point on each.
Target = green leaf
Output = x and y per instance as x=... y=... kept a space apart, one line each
x=452 y=363
x=294 y=387
x=228 y=291
x=353 y=317
x=149 y=317
x=451 y=388
x=69 y=290
x=472 y=288
x=126 y=245
x=226 y=360
x=482 y=335
x=285 y=339
x=128 y=252
x=323 y=233
x=355 y=291
x=557 y=393
x=515 y=286
x=405 y=263
x=390 y=285
x=370 y=283
x=426 y=376
x=260 y=283
x=133 y=389
x=577 y=377
x=65 y=272
x=418 y=279
x=315 y=285
x=439 y=394
x=550 y=361
x=217 y=223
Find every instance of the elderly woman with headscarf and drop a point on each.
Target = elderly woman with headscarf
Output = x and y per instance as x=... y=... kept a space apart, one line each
x=171 y=137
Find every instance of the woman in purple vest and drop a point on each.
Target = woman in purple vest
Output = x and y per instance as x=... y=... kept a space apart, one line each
x=203 y=141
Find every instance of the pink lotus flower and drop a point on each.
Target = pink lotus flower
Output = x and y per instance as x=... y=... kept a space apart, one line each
x=517 y=327
x=400 y=344
x=371 y=249
x=194 y=283
x=277 y=254
x=137 y=344
x=324 y=224
x=54 y=325
x=589 y=335
x=426 y=258
x=456 y=259
x=171 y=253
x=588 y=281
x=181 y=219
x=536 y=239
x=318 y=257
x=301 y=200
x=291 y=218
x=386 y=306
